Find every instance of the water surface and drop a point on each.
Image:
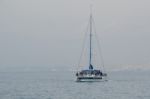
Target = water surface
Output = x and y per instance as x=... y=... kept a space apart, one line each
x=62 y=85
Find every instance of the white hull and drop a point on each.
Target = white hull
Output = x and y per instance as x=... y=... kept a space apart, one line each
x=91 y=79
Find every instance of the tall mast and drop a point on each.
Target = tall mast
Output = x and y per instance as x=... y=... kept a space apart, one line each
x=90 y=37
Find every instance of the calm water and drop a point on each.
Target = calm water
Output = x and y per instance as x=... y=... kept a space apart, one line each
x=62 y=85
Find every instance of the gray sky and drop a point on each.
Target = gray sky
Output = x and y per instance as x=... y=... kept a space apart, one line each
x=49 y=33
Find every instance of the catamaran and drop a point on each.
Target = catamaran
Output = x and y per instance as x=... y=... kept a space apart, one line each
x=91 y=73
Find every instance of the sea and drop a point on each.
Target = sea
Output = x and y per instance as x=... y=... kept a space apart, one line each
x=63 y=85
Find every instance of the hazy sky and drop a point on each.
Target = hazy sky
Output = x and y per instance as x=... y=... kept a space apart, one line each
x=49 y=33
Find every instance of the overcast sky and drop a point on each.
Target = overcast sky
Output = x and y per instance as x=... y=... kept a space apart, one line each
x=49 y=33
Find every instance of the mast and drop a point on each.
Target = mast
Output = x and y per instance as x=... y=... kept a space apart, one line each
x=90 y=61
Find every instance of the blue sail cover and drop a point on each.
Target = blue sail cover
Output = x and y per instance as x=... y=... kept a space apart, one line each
x=91 y=67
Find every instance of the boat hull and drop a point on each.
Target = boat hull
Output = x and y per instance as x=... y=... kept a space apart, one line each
x=91 y=79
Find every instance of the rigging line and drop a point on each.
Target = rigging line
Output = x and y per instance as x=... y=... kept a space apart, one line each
x=83 y=44
x=100 y=51
x=99 y=54
x=99 y=47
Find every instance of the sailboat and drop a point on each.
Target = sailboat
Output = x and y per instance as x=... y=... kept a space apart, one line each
x=90 y=73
